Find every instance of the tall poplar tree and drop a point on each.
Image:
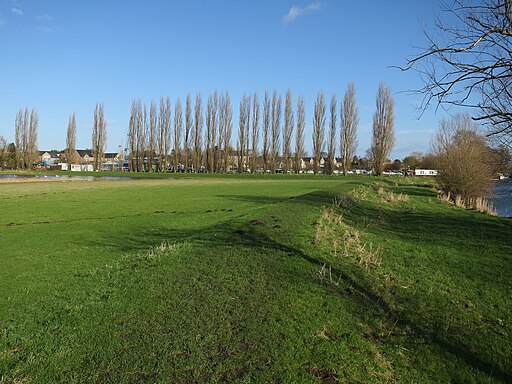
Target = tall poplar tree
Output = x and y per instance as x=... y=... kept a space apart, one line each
x=99 y=136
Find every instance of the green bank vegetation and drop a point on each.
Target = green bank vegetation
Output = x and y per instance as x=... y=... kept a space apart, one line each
x=262 y=279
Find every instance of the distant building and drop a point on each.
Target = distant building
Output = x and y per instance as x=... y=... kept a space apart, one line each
x=425 y=172
x=49 y=157
x=86 y=156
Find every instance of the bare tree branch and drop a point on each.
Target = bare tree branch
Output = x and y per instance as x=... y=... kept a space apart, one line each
x=468 y=63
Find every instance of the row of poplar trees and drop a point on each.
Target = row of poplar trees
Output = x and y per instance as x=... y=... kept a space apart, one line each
x=194 y=140
x=154 y=134
x=267 y=137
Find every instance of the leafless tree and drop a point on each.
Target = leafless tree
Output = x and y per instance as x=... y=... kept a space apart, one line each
x=266 y=131
x=461 y=157
x=414 y=159
x=140 y=135
x=158 y=138
x=226 y=126
x=276 y=130
x=132 y=146
x=243 y=131
x=178 y=132
x=288 y=130
x=32 y=137
x=21 y=137
x=211 y=130
x=349 y=124
x=331 y=138
x=25 y=127
x=99 y=136
x=152 y=135
x=188 y=132
x=501 y=159
x=467 y=63
x=25 y=154
x=18 y=138
x=71 y=154
x=164 y=133
x=214 y=158
x=198 y=133
x=220 y=136
x=136 y=121
x=299 y=135
x=247 y=133
x=32 y=152
x=5 y=156
x=318 y=131
x=3 y=148
x=255 y=131
x=383 y=139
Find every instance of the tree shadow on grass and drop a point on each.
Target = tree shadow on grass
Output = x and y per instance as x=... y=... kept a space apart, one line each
x=249 y=236
x=315 y=198
x=255 y=233
x=451 y=229
x=417 y=190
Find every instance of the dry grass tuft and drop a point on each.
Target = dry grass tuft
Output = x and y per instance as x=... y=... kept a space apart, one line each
x=344 y=201
x=391 y=197
x=478 y=204
x=346 y=241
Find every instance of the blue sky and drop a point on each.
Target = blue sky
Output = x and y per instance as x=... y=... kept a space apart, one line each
x=61 y=56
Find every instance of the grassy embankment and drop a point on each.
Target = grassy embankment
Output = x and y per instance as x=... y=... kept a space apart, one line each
x=257 y=279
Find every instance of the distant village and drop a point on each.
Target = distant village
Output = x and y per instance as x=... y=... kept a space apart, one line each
x=119 y=161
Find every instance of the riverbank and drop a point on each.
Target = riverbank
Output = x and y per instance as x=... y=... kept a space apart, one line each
x=501 y=198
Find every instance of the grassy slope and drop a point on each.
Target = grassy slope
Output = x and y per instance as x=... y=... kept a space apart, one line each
x=238 y=295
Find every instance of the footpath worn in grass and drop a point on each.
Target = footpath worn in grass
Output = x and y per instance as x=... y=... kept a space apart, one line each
x=250 y=280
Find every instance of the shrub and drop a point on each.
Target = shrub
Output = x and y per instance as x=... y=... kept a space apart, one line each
x=462 y=156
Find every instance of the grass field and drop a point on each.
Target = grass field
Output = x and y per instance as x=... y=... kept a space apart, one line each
x=251 y=279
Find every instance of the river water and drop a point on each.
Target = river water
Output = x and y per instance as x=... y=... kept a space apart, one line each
x=502 y=197
x=64 y=177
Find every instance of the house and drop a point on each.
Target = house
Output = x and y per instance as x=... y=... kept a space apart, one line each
x=111 y=157
x=112 y=161
x=49 y=157
x=86 y=156
x=307 y=163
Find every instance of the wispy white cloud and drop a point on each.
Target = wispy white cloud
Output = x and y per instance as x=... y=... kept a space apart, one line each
x=296 y=11
x=49 y=29
x=44 y=17
x=17 y=11
x=45 y=29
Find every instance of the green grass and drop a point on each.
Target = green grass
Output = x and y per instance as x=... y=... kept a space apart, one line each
x=241 y=279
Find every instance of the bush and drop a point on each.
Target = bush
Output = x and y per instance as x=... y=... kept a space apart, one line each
x=462 y=158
